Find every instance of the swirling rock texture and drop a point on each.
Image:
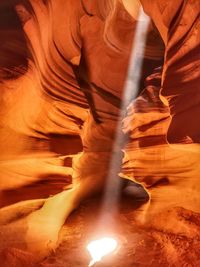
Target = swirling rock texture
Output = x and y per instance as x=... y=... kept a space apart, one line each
x=60 y=58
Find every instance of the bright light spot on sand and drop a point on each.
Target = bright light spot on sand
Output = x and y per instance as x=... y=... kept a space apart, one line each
x=99 y=248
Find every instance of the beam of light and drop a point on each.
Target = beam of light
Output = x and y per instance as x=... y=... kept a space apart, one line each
x=99 y=248
x=104 y=246
x=130 y=92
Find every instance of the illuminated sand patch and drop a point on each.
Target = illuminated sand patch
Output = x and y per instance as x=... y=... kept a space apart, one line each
x=100 y=248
